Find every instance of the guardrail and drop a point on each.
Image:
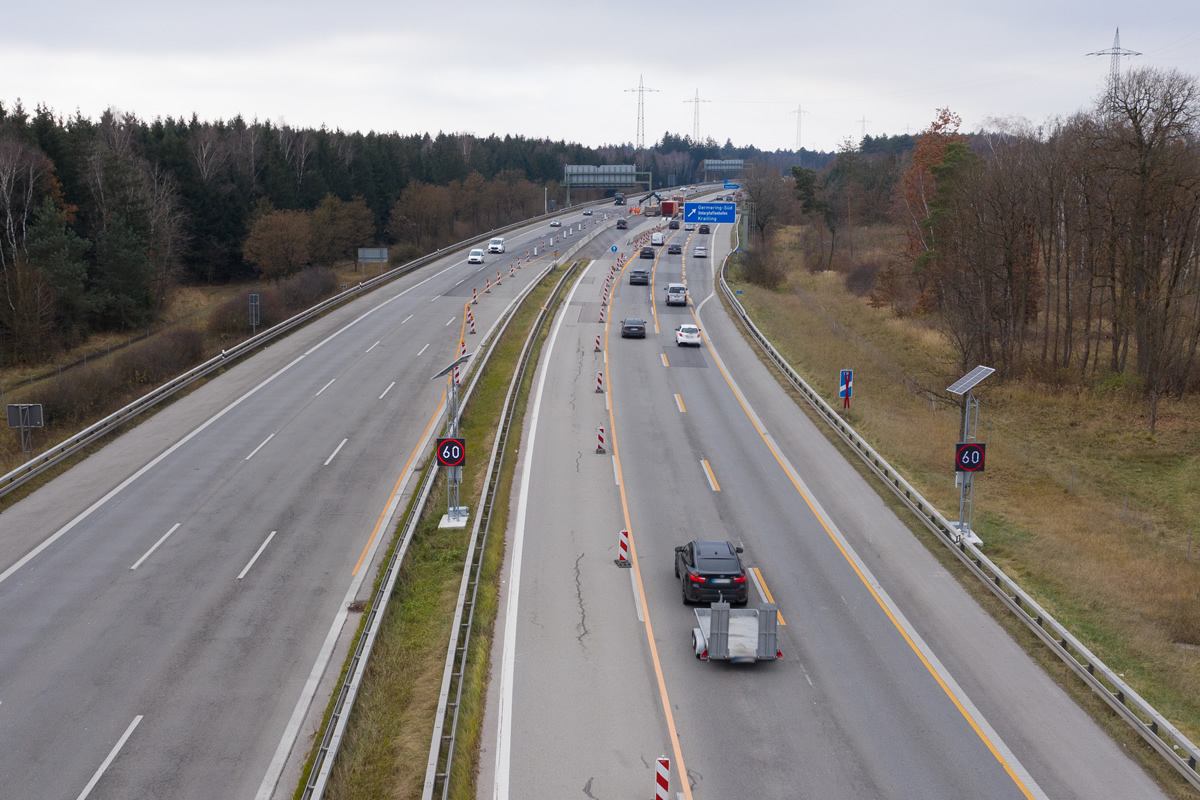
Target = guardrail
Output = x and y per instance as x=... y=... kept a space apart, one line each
x=331 y=737
x=1160 y=734
x=68 y=447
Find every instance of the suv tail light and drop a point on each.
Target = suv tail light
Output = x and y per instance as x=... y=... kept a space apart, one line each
x=740 y=579
x=696 y=578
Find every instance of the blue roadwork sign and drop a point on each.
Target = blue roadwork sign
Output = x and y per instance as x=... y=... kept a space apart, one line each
x=729 y=185
x=614 y=248
x=846 y=383
x=709 y=212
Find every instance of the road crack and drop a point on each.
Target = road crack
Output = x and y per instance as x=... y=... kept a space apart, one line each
x=587 y=789
x=582 y=610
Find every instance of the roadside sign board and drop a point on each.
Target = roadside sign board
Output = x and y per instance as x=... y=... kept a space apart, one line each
x=25 y=415
x=709 y=212
x=969 y=456
x=372 y=255
x=846 y=386
x=614 y=248
x=451 y=452
x=729 y=185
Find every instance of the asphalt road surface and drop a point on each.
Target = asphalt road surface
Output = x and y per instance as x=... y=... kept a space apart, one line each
x=894 y=684
x=168 y=606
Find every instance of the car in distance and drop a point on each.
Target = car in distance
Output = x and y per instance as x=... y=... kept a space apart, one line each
x=703 y=229
x=587 y=212
x=556 y=223
x=496 y=245
x=689 y=226
x=633 y=328
x=673 y=224
x=711 y=572
x=622 y=224
x=676 y=294
x=700 y=252
x=674 y=249
x=639 y=275
x=647 y=252
x=686 y=335
x=475 y=257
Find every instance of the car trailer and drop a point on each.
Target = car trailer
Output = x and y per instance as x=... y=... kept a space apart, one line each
x=737 y=635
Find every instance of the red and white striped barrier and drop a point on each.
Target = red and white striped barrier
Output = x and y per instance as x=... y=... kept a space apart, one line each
x=471 y=317
x=601 y=313
x=662 y=778
x=599 y=440
x=497 y=277
x=599 y=383
x=462 y=352
x=597 y=350
x=622 y=559
x=475 y=296
x=512 y=271
x=487 y=285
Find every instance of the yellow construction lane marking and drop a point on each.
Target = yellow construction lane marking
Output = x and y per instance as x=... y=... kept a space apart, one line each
x=712 y=479
x=770 y=598
x=664 y=358
x=879 y=600
x=637 y=572
x=679 y=402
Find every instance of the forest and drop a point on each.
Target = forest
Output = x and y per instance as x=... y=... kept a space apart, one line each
x=102 y=219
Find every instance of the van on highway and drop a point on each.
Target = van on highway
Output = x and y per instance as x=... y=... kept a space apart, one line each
x=496 y=245
x=656 y=238
x=676 y=294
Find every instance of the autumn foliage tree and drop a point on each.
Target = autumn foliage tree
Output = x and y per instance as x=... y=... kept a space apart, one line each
x=278 y=244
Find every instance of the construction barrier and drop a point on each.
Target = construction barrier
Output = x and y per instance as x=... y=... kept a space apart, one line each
x=622 y=559
x=597 y=350
x=600 y=440
x=662 y=778
x=599 y=383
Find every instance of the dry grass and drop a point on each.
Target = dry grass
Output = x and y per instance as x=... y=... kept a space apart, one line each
x=1119 y=579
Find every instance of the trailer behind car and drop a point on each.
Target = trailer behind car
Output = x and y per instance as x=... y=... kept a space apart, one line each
x=737 y=635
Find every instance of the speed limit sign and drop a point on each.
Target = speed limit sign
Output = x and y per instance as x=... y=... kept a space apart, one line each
x=969 y=456
x=451 y=452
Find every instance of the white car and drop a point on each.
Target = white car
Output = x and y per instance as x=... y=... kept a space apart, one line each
x=700 y=252
x=689 y=226
x=556 y=223
x=687 y=335
x=476 y=256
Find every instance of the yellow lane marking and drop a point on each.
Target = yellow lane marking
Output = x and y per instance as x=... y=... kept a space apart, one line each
x=879 y=600
x=681 y=769
x=664 y=358
x=712 y=479
x=375 y=532
x=679 y=402
x=770 y=598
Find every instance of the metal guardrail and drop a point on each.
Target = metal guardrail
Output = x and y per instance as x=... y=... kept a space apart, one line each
x=331 y=736
x=1159 y=733
x=68 y=447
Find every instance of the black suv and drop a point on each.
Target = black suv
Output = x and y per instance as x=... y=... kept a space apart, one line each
x=711 y=572
x=673 y=224
x=622 y=225
x=639 y=275
x=703 y=229
x=647 y=252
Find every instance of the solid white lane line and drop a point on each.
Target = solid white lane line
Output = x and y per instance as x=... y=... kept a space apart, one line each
x=423 y=349
x=762 y=597
x=111 y=757
x=406 y=319
x=372 y=347
x=679 y=402
x=433 y=300
x=385 y=391
x=509 y=651
x=138 y=563
x=257 y=553
x=664 y=358
x=260 y=447
x=336 y=451
x=637 y=600
x=616 y=474
x=449 y=321
x=323 y=388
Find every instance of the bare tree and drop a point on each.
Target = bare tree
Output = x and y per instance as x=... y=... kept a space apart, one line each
x=210 y=152
x=770 y=193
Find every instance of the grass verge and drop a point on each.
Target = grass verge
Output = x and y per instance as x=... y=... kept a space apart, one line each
x=1117 y=576
x=386 y=745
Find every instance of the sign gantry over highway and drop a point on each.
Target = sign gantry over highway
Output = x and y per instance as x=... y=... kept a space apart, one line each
x=709 y=212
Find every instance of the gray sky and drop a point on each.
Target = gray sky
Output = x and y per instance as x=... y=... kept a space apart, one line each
x=539 y=69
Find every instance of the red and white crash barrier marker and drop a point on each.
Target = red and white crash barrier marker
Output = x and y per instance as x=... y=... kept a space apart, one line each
x=471 y=317
x=599 y=383
x=487 y=285
x=662 y=778
x=601 y=313
x=622 y=560
x=475 y=296
x=512 y=271
x=599 y=440
x=497 y=277
x=598 y=348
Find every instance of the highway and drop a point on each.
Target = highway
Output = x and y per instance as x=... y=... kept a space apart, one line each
x=894 y=683
x=169 y=605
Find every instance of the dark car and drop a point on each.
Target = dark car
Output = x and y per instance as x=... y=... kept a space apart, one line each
x=639 y=275
x=674 y=248
x=647 y=252
x=673 y=224
x=633 y=328
x=711 y=572
x=703 y=229
x=622 y=224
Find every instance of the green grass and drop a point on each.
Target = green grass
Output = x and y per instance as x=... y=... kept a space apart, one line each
x=386 y=746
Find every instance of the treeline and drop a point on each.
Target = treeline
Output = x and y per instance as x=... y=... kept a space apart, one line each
x=101 y=219
x=1067 y=250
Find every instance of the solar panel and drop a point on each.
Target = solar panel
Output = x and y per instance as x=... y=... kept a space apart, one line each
x=967 y=382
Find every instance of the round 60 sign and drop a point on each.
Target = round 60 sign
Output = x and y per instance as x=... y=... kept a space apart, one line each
x=969 y=456
x=451 y=452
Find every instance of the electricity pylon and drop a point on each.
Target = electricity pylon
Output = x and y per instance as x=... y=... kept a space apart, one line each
x=641 y=123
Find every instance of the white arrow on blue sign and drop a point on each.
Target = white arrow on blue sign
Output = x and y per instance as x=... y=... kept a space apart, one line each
x=709 y=212
x=614 y=248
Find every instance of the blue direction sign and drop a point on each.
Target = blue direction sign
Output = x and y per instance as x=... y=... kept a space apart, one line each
x=709 y=212
x=729 y=185
x=614 y=248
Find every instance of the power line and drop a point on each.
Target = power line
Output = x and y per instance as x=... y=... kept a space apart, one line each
x=641 y=119
x=1114 y=66
x=696 y=101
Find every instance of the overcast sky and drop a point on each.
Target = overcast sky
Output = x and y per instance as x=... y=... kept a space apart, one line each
x=541 y=69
